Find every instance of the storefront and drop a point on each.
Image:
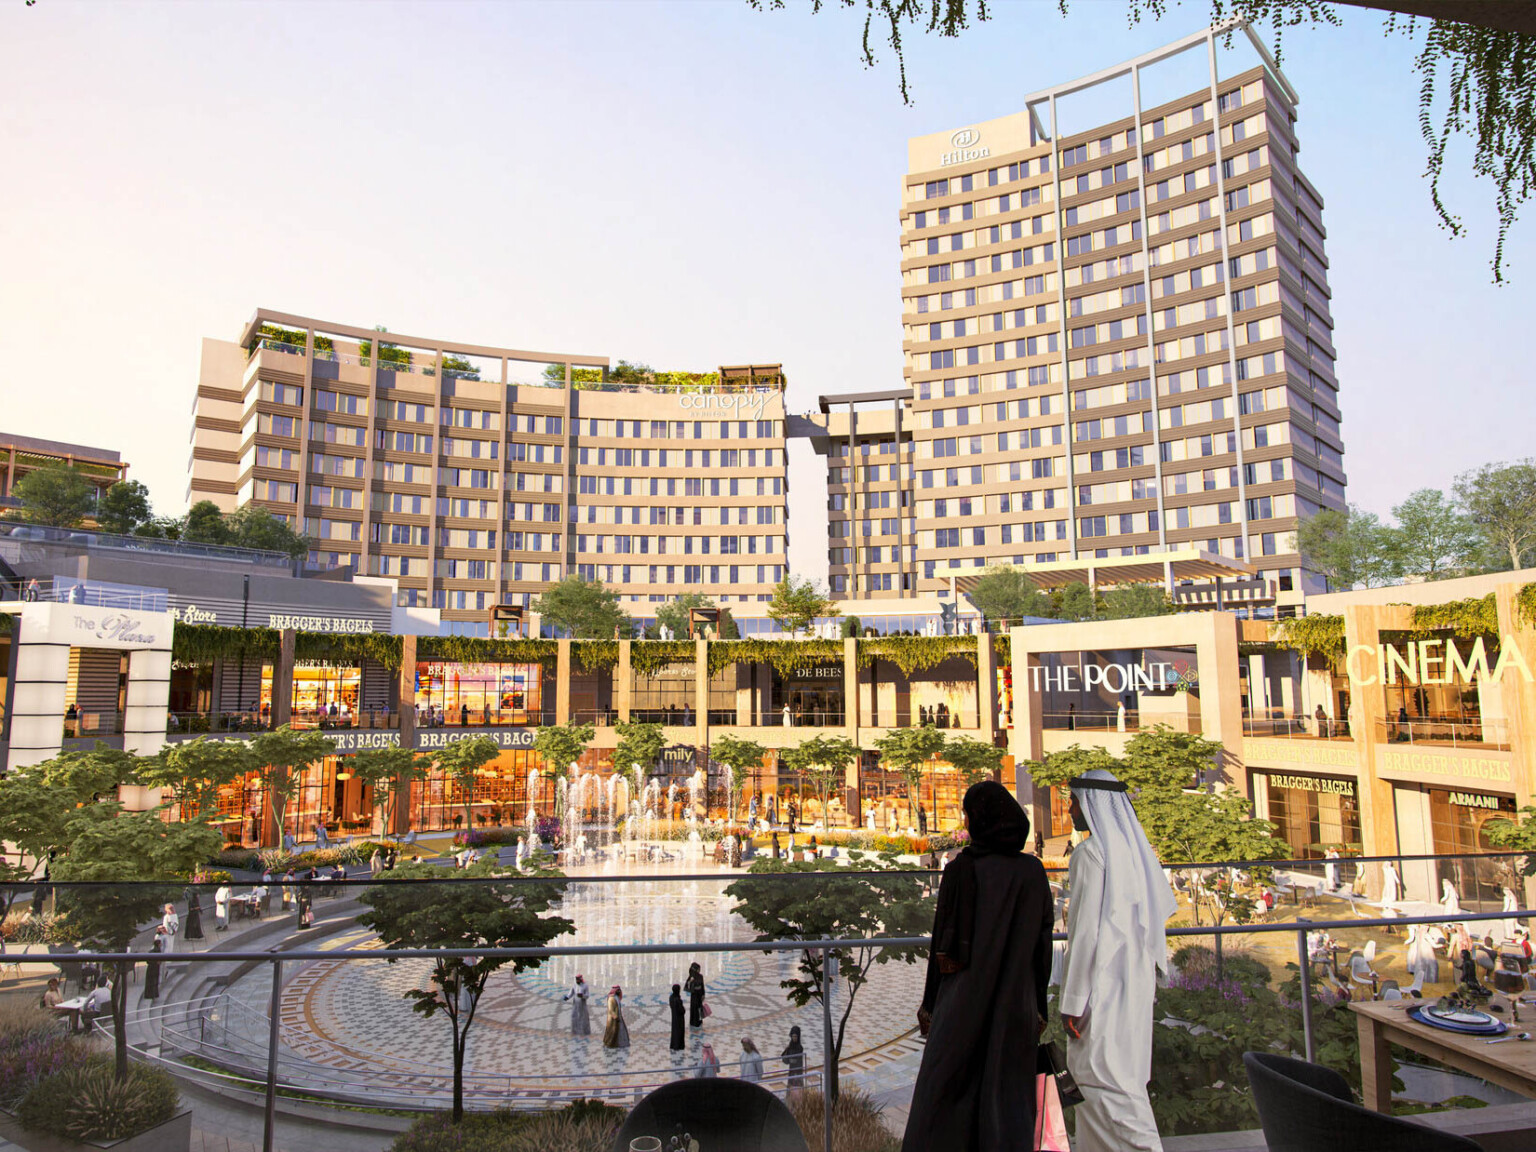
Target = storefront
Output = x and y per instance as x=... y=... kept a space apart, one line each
x=813 y=694
x=1457 y=821
x=485 y=694
x=1311 y=813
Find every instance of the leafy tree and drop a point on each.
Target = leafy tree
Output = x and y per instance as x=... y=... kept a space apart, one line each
x=1501 y=500
x=160 y=528
x=195 y=770
x=35 y=802
x=461 y=761
x=1350 y=548
x=123 y=507
x=388 y=773
x=638 y=744
x=205 y=524
x=1075 y=602
x=906 y=750
x=1515 y=836
x=1435 y=539
x=1131 y=601
x=824 y=761
x=132 y=863
x=585 y=609
x=796 y=604
x=674 y=613
x=881 y=899
x=1477 y=60
x=1006 y=593
x=56 y=495
x=254 y=527
x=280 y=756
x=741 y=757
x=560 y=746
x=462 y=915
x=974 y=760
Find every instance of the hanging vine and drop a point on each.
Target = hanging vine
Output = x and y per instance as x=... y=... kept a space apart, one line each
x=1317 y=635
x=1525 y=602
x=1467 y=619
x=347 y=650
x=917 y=653
x=193 y=644
x=595 y=655
x=648 y=657
x=1002 y=647
x=785 y=656
x=481 y=650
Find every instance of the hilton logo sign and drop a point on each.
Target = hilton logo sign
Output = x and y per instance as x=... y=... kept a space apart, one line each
x=965 y=145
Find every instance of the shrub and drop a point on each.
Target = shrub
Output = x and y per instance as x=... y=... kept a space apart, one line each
x=584 y=1126
x=33 y=1044
x=948 y=841
x=86 y=1102
x=480 y=837
x=242 y=858
x=856 y=1122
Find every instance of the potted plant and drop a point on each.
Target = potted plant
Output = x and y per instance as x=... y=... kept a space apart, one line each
x=87 y=1106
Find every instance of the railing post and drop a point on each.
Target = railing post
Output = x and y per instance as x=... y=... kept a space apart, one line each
x=826 y=1049
x=1218 y=955
x=269 y=1123
x=1305 y=959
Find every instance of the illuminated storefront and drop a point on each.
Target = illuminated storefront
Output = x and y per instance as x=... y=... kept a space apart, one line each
x=483 y=694
x=1311 y=813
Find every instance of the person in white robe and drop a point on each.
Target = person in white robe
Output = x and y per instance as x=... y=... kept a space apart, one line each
x=221 y=908
x=1422 y=962
x=1450 y=900
x=1391 y=884
x=1120 y=905
x=1331 y=870
x=1510 y=926
x=171 y=922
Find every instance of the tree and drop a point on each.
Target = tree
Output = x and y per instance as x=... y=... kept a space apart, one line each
x=740 y=757
x=124 y=506
x=824 y=761
x=1501 y=500
x=974 y=760
x=796 y=604
x=57 y=495
x=254 y=527
x=881 y=899
x=906 y=750
x=205 y=524
x=560 y=746
x=638 y=744
x=1350 y=548
x=1132 y=601
x=460 y=915
x=585 y=610
x=388 y=773
x=130 y=865
x=674 y=613
x=1006 y=593
x=1075 y=602
x=1478 y=61
x=1435 y=539
x=36 y=802
x=461 y=761
x=161 y=528
x=280 y=755
x=195 y=770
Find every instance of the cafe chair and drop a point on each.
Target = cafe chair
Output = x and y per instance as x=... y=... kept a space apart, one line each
x=723 y=1115
x=1360 y=972
x=1389 y=991
x=1309 y=1108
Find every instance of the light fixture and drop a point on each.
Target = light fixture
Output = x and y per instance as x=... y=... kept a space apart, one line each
x=343 y=775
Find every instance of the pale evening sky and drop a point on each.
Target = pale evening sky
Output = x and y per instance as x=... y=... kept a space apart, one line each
x=683 y=184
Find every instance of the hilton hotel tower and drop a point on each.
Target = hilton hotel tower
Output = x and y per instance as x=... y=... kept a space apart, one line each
x=1117 y=341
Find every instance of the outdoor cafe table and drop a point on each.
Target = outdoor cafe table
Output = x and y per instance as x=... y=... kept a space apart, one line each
x=73 y=1007
x=1510 y=1065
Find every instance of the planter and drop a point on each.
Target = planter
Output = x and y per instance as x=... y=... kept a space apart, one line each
x=175 y=1135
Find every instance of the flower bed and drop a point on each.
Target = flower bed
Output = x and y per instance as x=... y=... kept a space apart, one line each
x=33 y=1045
x=85 y=1101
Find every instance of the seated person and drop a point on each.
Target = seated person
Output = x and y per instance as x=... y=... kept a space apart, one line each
x=98 y=1003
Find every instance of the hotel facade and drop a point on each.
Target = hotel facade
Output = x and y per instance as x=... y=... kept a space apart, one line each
x=1118 y=342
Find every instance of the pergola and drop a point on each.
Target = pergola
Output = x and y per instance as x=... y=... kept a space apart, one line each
x=1165 y=568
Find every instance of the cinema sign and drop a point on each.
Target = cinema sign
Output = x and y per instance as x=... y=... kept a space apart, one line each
x=1421 y=662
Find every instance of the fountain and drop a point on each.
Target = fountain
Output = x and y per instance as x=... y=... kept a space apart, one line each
x=533 y=792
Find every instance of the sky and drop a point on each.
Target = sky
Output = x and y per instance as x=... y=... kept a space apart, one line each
x=683 y=184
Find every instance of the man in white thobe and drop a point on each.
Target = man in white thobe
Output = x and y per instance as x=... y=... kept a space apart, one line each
x=1120 y=902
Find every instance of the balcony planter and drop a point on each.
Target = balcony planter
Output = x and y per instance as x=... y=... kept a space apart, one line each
x=174 y=1135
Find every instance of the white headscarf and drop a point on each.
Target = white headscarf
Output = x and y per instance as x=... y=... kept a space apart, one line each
x=1136 y=890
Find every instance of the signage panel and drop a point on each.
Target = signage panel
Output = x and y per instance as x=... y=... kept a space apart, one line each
x=87 y=626
x=1451 y=768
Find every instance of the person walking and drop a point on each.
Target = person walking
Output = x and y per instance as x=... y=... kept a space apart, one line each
x=984 y=1000
x=694 y=986
x=794 y=1060
x=616 y=1034
x=709 y=1064
x=675 y=1004
x=305 y=904
x=1120 y=904
x=152 y=967
x=172 y=925
x=581 y=1017
x=194 y=928
x=922 y=819
x=751 y=1061
x=221 y=907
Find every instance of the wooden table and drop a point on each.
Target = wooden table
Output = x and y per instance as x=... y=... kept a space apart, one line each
x=1510 y=1065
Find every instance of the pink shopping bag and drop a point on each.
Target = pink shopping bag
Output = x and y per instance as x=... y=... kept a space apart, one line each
x=1050 y=1119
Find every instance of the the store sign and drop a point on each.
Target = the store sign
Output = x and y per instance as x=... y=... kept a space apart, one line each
x=818 y=672
x=429 y=738
x=83 y=626
x=1312 y=753
x=345 y=624
x=1474 y=800
x=965 y=145
x=725 y=401
x=1155 y=676
x=1411 y=764
x=1433 y=662
x=679 y=760
x=192 y=614
x=1313 y=784
x=358 y=739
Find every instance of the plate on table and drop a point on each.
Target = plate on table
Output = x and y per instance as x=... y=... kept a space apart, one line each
x=1468 y=1021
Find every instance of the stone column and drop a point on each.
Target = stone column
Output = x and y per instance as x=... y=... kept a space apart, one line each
x=622 y=682
x=148 y=700
x=1367 y=715
x=405 y=680
x=986 y=689
x=1519 y=699
x=851 y=688
x=563 y=683
x=282 y=713
x=701 y=692
x=41 y=680
x=1221 y=708
x=1027 y=742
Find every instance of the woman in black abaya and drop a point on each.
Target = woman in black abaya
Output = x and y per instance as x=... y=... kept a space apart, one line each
x=675 y=1003
x=985 y=994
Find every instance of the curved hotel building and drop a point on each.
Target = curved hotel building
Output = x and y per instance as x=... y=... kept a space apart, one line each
x=478 y=476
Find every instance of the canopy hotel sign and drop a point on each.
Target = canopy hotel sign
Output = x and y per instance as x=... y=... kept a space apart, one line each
x=1420 y=662
x=733 y=401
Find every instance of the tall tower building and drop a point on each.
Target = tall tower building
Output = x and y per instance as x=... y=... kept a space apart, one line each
x=1118 y=343
x=479 y=476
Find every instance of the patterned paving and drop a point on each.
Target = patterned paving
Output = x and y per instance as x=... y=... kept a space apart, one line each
x=348 y=1021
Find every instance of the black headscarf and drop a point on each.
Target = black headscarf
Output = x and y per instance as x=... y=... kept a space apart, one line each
x=999 y=827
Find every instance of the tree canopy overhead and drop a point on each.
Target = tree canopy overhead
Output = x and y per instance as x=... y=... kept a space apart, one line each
x=585 y=609
x=56 y=495
x=1477 y=68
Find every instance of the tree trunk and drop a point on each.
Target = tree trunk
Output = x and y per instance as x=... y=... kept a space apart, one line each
x=458 y=1074
x=120 y=1021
